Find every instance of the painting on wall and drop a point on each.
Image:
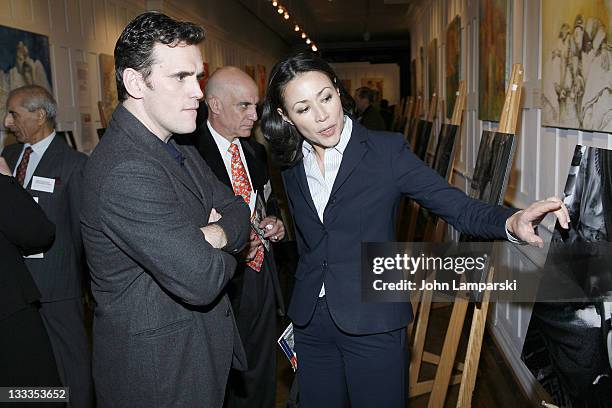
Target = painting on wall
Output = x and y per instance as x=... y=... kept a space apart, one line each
x=250 y=70
x=261 y=81
x=109 y=86
x=24 y=60
x=492 y=58
x=576 y=64
x=453 y=61
x=432 y=66
x=376 y=84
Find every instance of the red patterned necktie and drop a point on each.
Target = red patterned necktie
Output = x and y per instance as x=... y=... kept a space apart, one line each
x=23 y=166
x=242 y=187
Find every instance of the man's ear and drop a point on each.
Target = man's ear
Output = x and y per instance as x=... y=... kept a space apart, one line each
x=41 y=116
x=285 y=118
x=134 y=83
x=214 y=105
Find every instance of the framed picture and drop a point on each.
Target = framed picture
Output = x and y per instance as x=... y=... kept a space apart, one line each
x=432 y=66
x=576 y=68
x=453 y=63
x=24 y=60
x=492 y=42
x=109 y=87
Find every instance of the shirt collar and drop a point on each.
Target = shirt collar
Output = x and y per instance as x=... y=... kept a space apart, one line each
x=345 y=136
x=222 y=143
x=41 y=146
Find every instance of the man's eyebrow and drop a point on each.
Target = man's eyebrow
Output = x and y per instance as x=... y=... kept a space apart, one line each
x=181 y=74
x=318 y=93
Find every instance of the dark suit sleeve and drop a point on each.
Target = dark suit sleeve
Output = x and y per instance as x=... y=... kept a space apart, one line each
x=415 y=179
x=75 y=185
x=22 y=221
x=140 y=215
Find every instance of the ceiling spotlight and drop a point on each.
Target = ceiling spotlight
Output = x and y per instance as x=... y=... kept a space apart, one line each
x=308 y=41
x=303 y=35
x=296 y=28
x=275 y=3
x=280 y=10
x=314 y=48
x=286 y=16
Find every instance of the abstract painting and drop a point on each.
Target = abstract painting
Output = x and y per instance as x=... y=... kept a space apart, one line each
x=24 y=60
x=492 y=58
x=453 y=61
x=577 y=64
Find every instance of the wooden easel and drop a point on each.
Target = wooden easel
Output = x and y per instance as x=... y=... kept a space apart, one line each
x=434 y=231
x=446 y=361
x=408 y=113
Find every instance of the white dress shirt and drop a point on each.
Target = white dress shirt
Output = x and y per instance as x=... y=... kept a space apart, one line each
x=223 y=145
x=320 y=185
x=38 y=150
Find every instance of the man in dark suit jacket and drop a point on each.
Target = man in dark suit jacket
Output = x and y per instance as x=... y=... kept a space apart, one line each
x=231 y=98
x=366 y=113
x=26 y=356
x=51 y=171
x=159 y=231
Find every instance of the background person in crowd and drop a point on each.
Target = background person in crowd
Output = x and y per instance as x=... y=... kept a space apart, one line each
x=26 y=357
x=386 y=112
x=241 y=163
x=51 y=171
x=344 y=185
x=365 y=112
x=160 y=232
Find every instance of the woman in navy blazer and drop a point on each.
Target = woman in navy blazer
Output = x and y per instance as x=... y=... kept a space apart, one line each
x=344 y=184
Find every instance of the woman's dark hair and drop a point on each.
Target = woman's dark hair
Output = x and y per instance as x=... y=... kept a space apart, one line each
x=284 y=139
x=134 y=48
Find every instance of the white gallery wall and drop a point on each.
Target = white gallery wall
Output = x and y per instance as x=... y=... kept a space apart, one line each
x=80 y=30
x=543 y=154
x=356 y=71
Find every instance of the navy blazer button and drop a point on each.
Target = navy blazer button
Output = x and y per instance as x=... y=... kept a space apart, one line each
x=325 y=264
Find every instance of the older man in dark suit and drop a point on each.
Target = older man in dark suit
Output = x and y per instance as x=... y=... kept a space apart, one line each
x=160 y=232
x=240 y=163
x=51 y=172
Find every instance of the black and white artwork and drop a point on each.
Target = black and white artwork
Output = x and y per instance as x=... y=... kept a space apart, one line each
x=445 y=150
x=492 y=168
x=568 y=345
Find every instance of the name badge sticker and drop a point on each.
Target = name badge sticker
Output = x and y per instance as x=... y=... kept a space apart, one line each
x=43 y=184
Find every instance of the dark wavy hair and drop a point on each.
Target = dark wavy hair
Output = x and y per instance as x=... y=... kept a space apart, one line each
x=284 y=139
x=134 y=48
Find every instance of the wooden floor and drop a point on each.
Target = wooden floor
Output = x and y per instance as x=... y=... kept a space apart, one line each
x=495 y=385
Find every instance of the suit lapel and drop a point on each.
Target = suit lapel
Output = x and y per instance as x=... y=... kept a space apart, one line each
x=256 y=170
x=299 y=175
x=355 y=149
x=50 y=164
x=210 y=152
